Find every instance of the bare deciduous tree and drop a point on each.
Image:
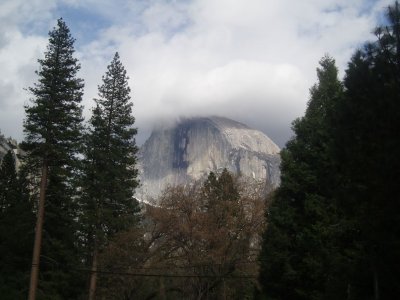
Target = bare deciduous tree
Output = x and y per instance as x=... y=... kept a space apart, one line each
x=198 y=242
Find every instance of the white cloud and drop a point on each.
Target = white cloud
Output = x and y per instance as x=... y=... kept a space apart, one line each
x=18 y=54
x=249 y=60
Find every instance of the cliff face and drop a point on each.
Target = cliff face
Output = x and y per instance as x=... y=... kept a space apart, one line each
x=7 y=144
x=193 y=147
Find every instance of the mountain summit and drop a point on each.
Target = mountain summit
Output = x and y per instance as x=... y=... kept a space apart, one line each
x=193 y=147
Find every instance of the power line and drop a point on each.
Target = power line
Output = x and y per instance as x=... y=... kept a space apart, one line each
x=200 y=265
x=144 y=269
x=169 y=275
x=165 y=267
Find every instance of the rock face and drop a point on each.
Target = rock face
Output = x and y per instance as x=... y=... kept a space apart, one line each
x=7 y=144
x=193 y=147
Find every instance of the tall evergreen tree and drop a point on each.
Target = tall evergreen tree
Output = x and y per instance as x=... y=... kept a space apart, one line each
x=110 y=175
x=368 y=123
x=362 y=152
x=219 y=191
x=8 y=182
x=296 y=253
x=52 y=136
x=16 y=230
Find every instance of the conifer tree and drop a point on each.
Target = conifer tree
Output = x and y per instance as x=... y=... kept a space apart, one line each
x=362 y=189
x=110 y=175
x=52 y=137
x=8 y=182
x=16 y=230
x=219 y=193
x=368 y=123
x=296 y=254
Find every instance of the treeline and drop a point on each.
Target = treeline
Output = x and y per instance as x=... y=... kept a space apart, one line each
x=72 y=202
x=197 y=242
x=78 y=179
x=333 y=227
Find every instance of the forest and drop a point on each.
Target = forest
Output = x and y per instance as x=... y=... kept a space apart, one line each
x=71 y=228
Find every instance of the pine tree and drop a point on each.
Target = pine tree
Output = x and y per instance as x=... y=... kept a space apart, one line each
x=8 y=182
x=368 y=123
x=16 y=230
x=110 y=173
x=219 y=193
x=296 y=254
x=52 y=136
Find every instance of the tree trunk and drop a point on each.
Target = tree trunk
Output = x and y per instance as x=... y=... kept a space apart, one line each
x=348 y=291
x=38 y=234
x=93 y=274
x=161 y=291
x=376 y=285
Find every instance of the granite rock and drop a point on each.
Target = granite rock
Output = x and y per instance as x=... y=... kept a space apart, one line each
x=188 y=150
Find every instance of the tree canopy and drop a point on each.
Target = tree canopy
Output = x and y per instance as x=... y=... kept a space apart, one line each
x=52 y=128
x=110 y=174
x=333 y=225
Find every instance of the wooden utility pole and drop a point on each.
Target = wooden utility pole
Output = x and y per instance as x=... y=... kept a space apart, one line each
x=38 y=234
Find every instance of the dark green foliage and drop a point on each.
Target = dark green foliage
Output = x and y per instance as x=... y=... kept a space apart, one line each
x=296 y=248
x=8 y=182
x=109 y=172
x=221 y=188
x=16 y=231
x=368 y=123
x=334 y=225
x=52 y=139
x=53 y=122
x=218 y=191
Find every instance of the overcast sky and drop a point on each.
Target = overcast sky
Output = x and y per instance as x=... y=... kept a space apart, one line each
x=250 y=60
